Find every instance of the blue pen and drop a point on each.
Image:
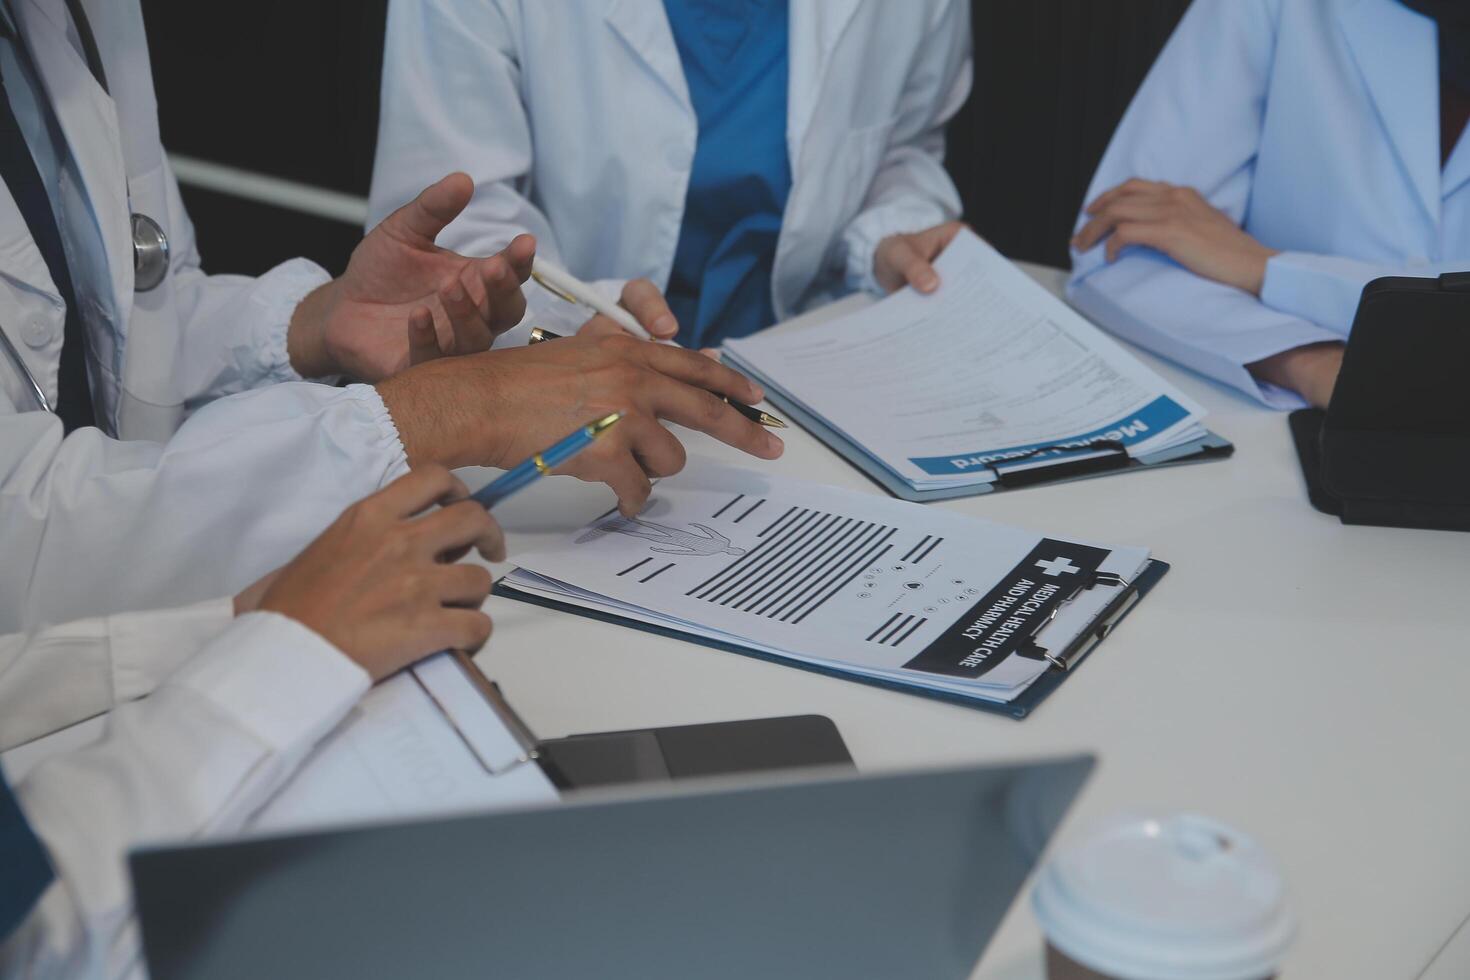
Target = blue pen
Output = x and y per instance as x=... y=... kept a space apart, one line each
x=522 y=476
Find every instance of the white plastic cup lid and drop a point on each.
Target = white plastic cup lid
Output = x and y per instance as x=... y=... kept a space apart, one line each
x=1173 y=898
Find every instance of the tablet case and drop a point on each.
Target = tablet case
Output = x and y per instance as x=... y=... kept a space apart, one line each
x=1393 y=447
x=1208 y=447
x=645 y=755
x=721 y=748
x=1099 y=629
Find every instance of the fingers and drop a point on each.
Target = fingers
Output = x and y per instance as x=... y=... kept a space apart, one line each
x=1135 y=200
x=698 y=409
x=1134 y=186
x=465 y=586
x=600 y=326
x=458 y=525
x=1136 y=233
x=649 y=307
x=466 y=323
x=520 y=254
x=941 y=236
x=415 y=491
x=627 y=479
x=702 y=372
x=1106 y=219
x=909 y=259
x=689 y=394
x=896 y=257
x=495 y=286
x=657 y=450
x=916 y=268
x=423 y=341
x=425 y=216
x=457 y=629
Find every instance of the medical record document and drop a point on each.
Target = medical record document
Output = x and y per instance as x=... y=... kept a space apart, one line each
x=851 y=583
x=989 y=374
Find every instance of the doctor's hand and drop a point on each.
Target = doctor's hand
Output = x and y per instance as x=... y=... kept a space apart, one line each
x=397 y=282
x=907 y=260
x=503 y=406
x=381 y=583
x=1179 y=222
x=648 y=306
x=1310 y=371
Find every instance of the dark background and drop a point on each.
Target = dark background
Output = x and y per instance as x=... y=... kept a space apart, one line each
x=291 y=89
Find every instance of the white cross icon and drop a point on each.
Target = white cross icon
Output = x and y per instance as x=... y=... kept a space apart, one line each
x=1059 y=566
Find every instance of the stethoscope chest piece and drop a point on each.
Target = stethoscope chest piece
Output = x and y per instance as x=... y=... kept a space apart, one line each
x=150 y=253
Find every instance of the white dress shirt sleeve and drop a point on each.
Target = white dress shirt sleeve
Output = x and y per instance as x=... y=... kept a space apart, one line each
x=94 y=526
x=58 y=676
x=1186 y=126
x=1326 y=288
x=912 y=191
x=197 y=757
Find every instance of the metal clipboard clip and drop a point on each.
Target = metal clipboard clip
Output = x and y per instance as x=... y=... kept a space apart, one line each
x=1115 y=457
x=464 y=708
x=1096 y=631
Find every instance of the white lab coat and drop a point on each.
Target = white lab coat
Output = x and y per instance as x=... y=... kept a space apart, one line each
x=1315 y=124
x=60 y=675
x=94 y=525
x=575 y=122
x=198 y=756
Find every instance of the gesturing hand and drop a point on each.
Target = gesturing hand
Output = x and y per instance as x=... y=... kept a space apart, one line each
x=901 y=260
x=380 y=584
x=398 y=283
x=500 y=407
x=1179 y=222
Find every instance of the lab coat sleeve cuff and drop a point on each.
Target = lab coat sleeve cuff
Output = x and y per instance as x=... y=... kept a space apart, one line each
x=388 y=441
x=275 y=299
x=868 y=229
x=1321 y=288
x=278 y=680
x=148 y=646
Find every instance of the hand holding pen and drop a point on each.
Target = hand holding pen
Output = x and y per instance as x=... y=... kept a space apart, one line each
x=541 y=335
x=518 y=477
x=642 y=302
x=637 y=293
x=499 y=407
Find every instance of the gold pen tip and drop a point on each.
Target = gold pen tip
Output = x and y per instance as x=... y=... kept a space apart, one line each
x=603 y=424
x=771 y=421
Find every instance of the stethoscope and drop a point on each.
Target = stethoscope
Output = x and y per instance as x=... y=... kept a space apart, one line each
x=150 y=241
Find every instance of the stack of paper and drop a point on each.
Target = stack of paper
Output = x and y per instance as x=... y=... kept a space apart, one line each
x=846 y=582
x=990 y=373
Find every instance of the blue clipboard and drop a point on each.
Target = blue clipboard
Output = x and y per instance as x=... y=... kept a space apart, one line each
x=1075 y=653
x=1208 y=447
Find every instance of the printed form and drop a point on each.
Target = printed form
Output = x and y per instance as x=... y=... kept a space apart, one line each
x=989 y=368
x=846 y=581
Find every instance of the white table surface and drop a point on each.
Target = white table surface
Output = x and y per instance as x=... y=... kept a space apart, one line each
x=1299 y=679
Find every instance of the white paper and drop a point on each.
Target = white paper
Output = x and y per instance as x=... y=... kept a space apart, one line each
x=398 y=755
x=828 y=577
x=988 y=368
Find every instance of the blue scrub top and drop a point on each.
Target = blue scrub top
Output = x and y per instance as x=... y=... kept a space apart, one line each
x=25 y=871
x=734 y=54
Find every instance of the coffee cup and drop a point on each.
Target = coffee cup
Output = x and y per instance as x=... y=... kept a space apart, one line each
x=1178 y=897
